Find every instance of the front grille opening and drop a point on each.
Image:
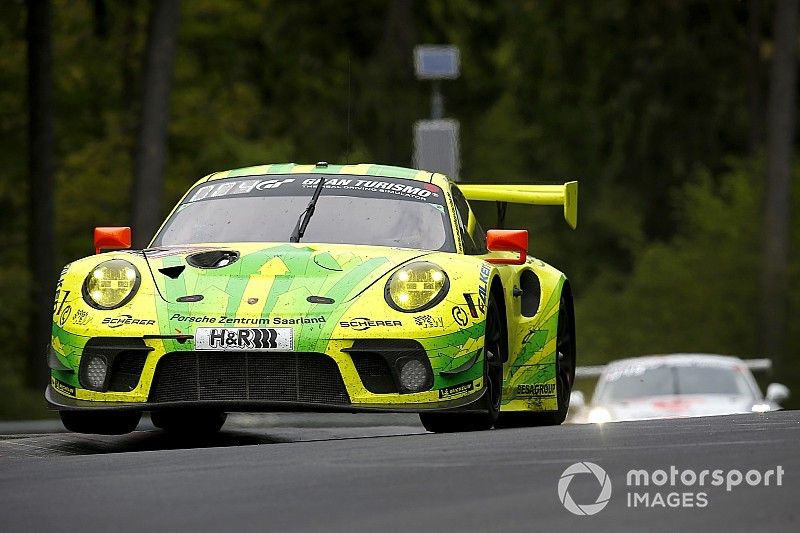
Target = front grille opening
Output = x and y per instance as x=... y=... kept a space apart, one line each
x=378 y=362
x=268 y=376
x=126 y=371
x=374 y=372
x=125 y=357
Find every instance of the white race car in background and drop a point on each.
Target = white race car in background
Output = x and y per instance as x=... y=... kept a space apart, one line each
x=674 y=386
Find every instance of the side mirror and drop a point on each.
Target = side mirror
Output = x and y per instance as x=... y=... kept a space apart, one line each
x=577 y=400
x=507 y=240
x=112 y=238
x=777 y=393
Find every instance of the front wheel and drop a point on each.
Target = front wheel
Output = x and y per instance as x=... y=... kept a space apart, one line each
x=100 y=423
x=494 y=347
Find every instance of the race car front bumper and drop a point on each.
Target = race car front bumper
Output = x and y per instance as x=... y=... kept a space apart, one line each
x=351 y=376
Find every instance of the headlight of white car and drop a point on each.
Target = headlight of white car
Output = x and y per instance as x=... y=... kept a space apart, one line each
x=599 y=415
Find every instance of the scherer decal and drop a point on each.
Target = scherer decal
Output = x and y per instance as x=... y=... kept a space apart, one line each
x=127 y=320
x=361 y=324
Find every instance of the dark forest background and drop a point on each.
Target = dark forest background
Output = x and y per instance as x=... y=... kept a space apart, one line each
x=677 y=117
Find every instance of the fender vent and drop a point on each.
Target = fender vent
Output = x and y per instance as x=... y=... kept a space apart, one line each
x=531 y=293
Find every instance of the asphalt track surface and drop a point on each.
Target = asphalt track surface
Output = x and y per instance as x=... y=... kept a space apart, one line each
x=366 y=473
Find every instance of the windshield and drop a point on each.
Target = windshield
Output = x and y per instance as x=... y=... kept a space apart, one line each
x=640 y=381
x=351 y=210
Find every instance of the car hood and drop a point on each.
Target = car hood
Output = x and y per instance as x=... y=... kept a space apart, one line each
x=231 y=273
x=678 y=406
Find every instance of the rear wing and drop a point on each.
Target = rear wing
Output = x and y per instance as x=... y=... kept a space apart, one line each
x=566 y=195
x=589 y=371
x=759 y=365
x=755 y=365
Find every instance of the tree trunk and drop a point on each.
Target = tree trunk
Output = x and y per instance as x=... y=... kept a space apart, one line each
x=41 y=165
x=755 y=106
x=777 y=204
x=390 y=73
x=399 y=46
x=151 y=149
x=130 y=90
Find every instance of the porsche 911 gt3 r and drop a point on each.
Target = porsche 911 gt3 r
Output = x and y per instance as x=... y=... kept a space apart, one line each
x=675 y=386
x=318 y=288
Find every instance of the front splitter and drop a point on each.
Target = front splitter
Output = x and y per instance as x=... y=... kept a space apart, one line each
x=58 y=401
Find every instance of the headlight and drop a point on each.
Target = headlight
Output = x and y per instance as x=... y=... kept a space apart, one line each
x=416 y=287
x=111 y=284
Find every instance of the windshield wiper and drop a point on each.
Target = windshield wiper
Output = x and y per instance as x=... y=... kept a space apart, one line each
x=302 y=222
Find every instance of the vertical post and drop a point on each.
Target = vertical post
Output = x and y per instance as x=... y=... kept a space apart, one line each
x=777 y=201
x=41 y=165
x=436 y=144
x=754 y=104
x=501 y=214
x=437 y=101
x=151 y=147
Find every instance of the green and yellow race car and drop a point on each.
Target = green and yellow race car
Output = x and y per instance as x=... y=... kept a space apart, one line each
x=317 y=288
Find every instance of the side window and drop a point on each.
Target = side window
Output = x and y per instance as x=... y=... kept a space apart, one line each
x=472 y=234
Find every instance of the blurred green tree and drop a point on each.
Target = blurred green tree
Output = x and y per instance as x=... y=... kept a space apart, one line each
x=645 y=104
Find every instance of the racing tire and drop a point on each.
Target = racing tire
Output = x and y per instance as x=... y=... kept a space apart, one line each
x=495 y=345
x=108 y=423
x=188 y=422
x=565 y=375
